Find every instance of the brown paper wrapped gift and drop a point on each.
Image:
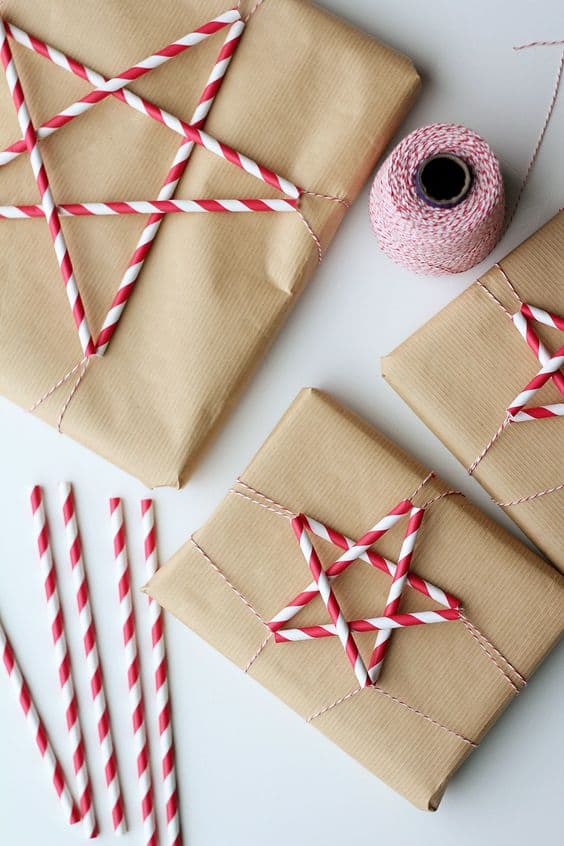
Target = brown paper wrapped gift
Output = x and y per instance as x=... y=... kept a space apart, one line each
x=442 y=685
x=462 y=370
x=306 y=95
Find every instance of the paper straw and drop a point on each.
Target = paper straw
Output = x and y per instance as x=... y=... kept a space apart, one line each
x=370 y=556
x=542 y=316
x=92 y=657
x=133 y=674
x=521 y=322
x=537 y=382
x=351 y=554
x=540 y=412
x=174 y=123
x=395 y=592
x=117 y=83
x=64 y=669
x=47 y=202
x=156 y=207
x=368 y=624
x=37 y=729
x=168 y=769
x=168 y=189
x=330 y=602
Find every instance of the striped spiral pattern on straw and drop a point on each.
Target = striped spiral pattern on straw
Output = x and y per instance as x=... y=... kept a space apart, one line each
x=396 y=589
x=172 y=179
x=92 y=657
x=156 y=207
x=37 y=729
x=368 y=624
x=517 y=411
x=136 y=703
x=437 y=241
x=64 y=670
x=330 y=602
x=164 y=718
x=47 y=202
x=521 y=320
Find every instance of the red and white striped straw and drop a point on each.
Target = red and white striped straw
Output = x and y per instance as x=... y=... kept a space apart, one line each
x=172 y=179
x=368 y=624
x=521 y=320
x=330 y=601
x=542 y=316
x=537 y=382
x=351 y=554
x=133 y=674
x=47 y=202
x=395 y=592
x=156 y=207
x=174 y=123
x=370 y=556
x=539 y=412
x=37 y=729
x=173 y=835
x=93 y=664
x=140 y=69
x=64 y=669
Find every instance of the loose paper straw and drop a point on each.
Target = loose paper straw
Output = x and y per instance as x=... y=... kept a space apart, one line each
x=521 y=322
x=395 y=593
x=172 y=179
x=351 y=554
x=174 y=123
x=330 y=601
x=47 y=202
x=37 y=729
x=537 y=382
x=368 y=624
x=64 y=670
x=93 y=664
x=133 y=674
x=448 y=600
x=173 y=836
x=156 y=207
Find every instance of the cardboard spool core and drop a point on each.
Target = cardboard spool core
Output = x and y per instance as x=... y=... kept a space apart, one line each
x=443 y=180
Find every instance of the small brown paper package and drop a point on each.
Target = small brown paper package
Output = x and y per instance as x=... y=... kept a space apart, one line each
x=464 y=368
x=306 y=95
x=441 y=686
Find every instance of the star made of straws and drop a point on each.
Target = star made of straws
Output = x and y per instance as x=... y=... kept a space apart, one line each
x=353 y=551
x=191 y=134
x=519 y=411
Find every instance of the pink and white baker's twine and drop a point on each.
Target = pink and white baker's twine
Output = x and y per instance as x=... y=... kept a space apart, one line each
x=429 y=240
x=172 y=179
x=36 y=728
x=168 y=765
x=92 y=657
x=64 y=669
x=48 y=204
x=136 y=703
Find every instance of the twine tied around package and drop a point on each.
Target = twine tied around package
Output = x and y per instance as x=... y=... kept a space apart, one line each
x=401 y=576
x=552 y=364
x=192 y=134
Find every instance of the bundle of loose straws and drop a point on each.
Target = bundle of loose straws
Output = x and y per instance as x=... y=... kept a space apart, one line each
x=84 y=809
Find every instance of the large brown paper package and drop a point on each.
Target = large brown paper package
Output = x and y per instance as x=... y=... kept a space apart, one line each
x=462 y=370
x=442 y=686
x=306 y=95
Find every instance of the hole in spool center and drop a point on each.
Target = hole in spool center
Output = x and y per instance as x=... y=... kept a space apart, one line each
x=443 y=180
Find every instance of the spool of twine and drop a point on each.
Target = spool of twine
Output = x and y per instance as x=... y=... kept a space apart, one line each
x=437 y=204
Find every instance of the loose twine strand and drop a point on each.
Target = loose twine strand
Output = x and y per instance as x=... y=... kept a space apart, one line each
x=512 y=676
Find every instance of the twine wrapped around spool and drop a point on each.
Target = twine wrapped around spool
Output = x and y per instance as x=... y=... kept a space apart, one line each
x=437 y=204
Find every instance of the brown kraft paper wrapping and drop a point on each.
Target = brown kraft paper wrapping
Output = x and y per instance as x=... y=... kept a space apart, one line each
x=440 y=691
x=306 y=95
x=462 y=370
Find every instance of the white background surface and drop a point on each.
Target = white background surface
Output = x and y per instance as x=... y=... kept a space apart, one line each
x=250 y=770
